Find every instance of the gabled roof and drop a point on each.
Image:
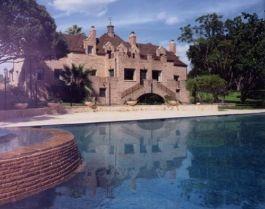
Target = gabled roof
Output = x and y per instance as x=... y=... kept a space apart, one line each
x=115 y=41
x=75 y=44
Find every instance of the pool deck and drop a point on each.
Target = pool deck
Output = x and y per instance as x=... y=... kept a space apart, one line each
x=98 y=117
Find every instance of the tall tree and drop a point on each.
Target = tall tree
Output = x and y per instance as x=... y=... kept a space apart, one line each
x=74 y=30
x=27 y=29
x=233 y=49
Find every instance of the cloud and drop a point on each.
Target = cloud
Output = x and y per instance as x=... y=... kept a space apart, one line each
x=167 y=19
x=102 y=13
x=182 y=53
x=89 y=7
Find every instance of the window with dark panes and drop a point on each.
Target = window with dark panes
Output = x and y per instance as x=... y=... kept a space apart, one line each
x=93 y=72
x=89 y=49
x=109 y=53
x=156 y=75
x=129 y=74
x=176 y=77
x=102 y=92
x=111 y=72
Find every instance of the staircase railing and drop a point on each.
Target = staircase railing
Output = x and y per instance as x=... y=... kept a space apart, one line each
x=131 y=90
x=165 y=89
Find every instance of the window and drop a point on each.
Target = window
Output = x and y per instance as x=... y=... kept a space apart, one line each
x=156 y=75
x=128 y=149
x=129 y=74
x=143 y=74
x=176 y=77
x=177 y=90
x=111 y=72
x=40 y=74
x=89 y=49
x=102 y=92
x=109 y=53
x=57 y=73
x=156 y=148
x=111 y=149
x=102 y=130
x=143 y=148
x=133 y=55
x=93 y=72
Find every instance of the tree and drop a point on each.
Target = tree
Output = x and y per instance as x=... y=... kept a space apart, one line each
x=76 y=78
x=27 y=29
x=74 y=30
x=248 y=37
x=211 y=84
x=191 y=85
x=232 y=49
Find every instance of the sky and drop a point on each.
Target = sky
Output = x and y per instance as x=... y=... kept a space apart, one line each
x=155 y=21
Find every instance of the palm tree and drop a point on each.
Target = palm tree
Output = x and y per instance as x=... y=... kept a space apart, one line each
x=74 y=30
x=76 y=78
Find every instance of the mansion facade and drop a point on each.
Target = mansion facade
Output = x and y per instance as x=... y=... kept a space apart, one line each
x=119 y=70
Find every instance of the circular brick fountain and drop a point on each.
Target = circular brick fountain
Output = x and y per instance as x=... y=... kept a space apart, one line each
x=33 y=160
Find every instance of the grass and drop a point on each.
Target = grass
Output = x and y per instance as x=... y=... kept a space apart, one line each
x=233 y=96
x=232 y=100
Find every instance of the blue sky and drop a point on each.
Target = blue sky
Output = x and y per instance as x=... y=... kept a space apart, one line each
x=156 y=21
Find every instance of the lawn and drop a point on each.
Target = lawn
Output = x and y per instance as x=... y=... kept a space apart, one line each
x=232 y=100
x=256 y=101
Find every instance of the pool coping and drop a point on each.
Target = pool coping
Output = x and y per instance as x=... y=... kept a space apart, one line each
x=91 y=117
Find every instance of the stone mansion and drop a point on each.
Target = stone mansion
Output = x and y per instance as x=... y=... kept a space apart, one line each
x=119 y=70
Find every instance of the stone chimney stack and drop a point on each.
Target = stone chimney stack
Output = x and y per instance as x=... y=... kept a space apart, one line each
x=172 y=47
x=132 y=38
x=110 y=29
x=90 y=43
x=92 y=35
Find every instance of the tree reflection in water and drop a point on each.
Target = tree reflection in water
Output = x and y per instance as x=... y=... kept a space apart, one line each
x=228 y=161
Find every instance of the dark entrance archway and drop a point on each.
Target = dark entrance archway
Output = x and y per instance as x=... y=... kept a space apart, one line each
x=151 y=99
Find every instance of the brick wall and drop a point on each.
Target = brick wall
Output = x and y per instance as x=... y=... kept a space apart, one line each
x=30 y=170
x=102 y=64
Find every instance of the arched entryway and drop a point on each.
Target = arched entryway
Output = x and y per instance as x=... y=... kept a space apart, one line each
x=151 y=99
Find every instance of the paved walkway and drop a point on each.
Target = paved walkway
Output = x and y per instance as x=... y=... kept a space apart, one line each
x=96 y=117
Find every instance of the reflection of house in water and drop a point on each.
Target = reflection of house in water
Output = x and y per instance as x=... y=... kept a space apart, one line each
x=139 y=146
x=114 y=152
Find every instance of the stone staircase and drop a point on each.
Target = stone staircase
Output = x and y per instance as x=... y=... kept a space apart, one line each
x=165 y=89
x=148 y=87
x=131 y=90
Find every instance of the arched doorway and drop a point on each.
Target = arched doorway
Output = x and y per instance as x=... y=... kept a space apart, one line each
x=151 y=99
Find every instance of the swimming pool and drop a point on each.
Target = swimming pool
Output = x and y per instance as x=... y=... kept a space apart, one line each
x=195 y=163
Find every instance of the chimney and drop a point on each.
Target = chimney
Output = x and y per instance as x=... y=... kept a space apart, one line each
x=172 y=47
x=91 y=41
x=92 y=33
x=132 y=38
x=110 y=29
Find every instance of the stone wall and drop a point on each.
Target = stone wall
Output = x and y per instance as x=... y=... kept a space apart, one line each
x=116 y=85
x=127 y=108
x=29 y=170
x=6 y=115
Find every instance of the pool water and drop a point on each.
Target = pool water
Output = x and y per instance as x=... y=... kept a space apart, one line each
x=12 y=139
x=196 y=163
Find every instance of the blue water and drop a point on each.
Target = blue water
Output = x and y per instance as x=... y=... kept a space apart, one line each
x=213 y=162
